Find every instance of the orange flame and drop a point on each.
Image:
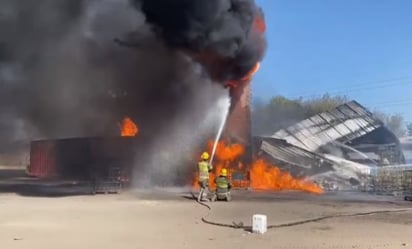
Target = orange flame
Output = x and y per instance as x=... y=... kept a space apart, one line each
x=252 y=72
x=227 y=152
x=263 y=175
x=129 y=128
x=247 y=77
x=224 y=156
x=259 y=24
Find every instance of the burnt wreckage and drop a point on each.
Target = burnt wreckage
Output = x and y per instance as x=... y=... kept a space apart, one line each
x=342 y=145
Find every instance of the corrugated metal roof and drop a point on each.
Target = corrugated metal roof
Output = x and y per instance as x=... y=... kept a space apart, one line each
x=344 y=123
x=282 y=151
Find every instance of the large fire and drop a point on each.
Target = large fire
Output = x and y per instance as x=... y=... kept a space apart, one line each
x=224 y=156
x=263 y=175
x=128 y=128
x=225 y=152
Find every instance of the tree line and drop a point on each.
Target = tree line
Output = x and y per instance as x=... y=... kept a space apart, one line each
x=280 y=112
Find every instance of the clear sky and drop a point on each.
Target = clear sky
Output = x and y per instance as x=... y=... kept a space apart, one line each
x=359 y=48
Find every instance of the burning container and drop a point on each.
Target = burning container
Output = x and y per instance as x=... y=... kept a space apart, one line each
x=82 y=158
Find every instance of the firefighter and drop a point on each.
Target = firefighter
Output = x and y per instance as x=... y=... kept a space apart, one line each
x=204 y=169
x=223 y=187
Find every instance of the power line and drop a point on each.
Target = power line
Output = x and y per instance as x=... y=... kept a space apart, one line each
x=369 y=83
x=389 y=104
x=360 y=87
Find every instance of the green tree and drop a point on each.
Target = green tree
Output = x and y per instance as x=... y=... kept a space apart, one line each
x=278 y=113
x=281 y=112
x=325 y=103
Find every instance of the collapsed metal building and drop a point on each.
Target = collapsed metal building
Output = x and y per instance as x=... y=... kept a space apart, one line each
x=340 y=145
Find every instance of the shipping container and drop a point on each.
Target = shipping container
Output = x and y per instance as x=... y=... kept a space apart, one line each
x=42 y=159
x=82 y=158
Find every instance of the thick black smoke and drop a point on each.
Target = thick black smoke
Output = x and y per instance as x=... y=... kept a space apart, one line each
x=220 y=33
x=62 y=74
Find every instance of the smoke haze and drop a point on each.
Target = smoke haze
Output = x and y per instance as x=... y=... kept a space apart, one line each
x=62 y=74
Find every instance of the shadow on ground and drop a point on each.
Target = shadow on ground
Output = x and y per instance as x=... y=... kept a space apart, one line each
x=16 y=181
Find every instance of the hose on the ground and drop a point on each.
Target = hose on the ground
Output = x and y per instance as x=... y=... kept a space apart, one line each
x=295 y=223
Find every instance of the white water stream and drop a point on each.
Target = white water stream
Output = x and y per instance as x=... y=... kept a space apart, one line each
x=223 y=106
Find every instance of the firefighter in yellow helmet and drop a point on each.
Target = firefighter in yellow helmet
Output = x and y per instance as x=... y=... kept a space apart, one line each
x=223 y=187
x=204 y=170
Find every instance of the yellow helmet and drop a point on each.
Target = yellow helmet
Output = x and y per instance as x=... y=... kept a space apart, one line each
x=223 y=172
x=204 y=156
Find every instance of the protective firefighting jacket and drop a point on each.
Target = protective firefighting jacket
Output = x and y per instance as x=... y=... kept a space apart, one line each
x=222 y=183
x=204 y=169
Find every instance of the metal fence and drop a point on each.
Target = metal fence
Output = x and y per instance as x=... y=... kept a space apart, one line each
x=390 y=180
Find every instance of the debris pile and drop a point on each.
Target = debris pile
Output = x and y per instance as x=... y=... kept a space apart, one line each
x=338 y=149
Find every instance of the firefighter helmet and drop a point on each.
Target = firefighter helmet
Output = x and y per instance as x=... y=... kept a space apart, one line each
x=204 y=156
x=223 y=172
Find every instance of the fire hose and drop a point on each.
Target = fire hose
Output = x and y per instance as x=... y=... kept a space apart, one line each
x=240 y=225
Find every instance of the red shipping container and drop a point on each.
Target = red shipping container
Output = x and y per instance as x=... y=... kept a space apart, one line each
x=80 y=158
x=43 y=159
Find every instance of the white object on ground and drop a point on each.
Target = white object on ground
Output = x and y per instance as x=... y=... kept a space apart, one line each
x=259 y=223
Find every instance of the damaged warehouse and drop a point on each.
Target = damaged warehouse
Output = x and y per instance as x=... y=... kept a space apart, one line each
x=340 y=146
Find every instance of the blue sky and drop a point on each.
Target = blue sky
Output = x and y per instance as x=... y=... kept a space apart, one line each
x=362 y=49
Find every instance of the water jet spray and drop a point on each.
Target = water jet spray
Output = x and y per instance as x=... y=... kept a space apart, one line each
x=224 y=105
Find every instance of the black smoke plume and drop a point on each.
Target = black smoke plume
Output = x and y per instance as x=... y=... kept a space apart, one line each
x=219 y=33
x=62 y=74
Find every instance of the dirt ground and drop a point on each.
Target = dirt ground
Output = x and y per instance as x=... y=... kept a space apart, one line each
x=171 y=219
x=157 y=219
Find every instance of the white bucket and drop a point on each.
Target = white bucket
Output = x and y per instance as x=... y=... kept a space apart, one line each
x=259 y=223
